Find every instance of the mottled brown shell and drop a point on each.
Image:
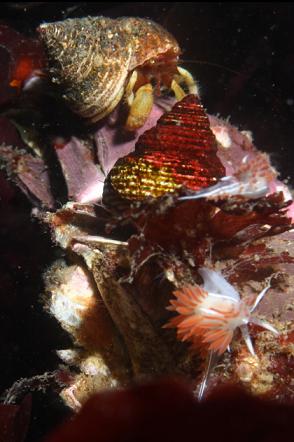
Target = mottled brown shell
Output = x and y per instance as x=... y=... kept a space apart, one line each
x=92 y=57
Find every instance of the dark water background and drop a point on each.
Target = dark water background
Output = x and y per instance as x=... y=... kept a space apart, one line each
x=243 y=57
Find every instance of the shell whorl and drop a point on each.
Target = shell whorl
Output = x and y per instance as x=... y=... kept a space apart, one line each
x=92 y=57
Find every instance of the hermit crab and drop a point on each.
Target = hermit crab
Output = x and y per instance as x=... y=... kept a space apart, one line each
x=98 y=61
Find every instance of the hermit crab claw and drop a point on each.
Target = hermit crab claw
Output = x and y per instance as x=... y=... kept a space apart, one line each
x=141 y=102
x=140 y=108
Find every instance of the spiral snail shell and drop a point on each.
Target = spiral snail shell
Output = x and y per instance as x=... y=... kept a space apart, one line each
x=94 y=59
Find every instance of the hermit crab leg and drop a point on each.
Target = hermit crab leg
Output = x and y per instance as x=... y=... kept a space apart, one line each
x=189 y=80
x=129 y=94
x=140 y=108
x=178 y=91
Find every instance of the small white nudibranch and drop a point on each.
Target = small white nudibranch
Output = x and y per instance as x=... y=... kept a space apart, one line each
x=251 y=181
x=209 y=314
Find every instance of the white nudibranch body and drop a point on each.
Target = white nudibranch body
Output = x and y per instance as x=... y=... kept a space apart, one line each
x=209 y=314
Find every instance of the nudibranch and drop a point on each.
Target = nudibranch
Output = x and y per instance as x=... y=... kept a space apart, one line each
x=99 y=60
x=209 y=314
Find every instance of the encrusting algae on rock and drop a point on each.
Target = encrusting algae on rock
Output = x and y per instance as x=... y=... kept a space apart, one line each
x=182 y=211
x=173 y=238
